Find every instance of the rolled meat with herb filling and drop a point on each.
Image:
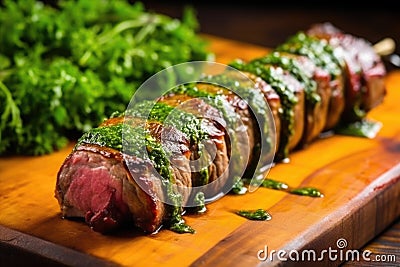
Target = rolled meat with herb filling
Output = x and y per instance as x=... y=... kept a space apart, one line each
x=323 y=56
x=108 y=188
x=249 y=98
x=317 y=90
x=292 y=96
x=210 y=152
x=274 y=102
x=109 y=180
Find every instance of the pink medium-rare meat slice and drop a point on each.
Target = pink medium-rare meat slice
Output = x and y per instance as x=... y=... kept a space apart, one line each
x=95 y=184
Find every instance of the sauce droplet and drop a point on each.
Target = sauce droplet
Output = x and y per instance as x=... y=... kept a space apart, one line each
x=277 y=185
x=307 y=191
x=258 y=215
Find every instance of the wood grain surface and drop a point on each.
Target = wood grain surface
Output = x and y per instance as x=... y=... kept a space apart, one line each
x=385 y=249
x=359 y=177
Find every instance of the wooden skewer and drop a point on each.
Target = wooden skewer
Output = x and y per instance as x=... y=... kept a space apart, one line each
x=385 y=47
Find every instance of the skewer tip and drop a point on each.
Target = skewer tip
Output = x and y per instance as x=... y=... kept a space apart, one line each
x=385 y=47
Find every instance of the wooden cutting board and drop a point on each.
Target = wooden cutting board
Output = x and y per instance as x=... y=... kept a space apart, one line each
x=359 y=177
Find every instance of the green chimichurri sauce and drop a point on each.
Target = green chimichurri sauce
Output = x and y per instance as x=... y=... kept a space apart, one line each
x=325 y=56
x=103 y=136
x=286 y=95
x=111 y=136
x=199 y=199
x=178 y=225
x=316 y=49
x=214 y=99
x=259 y=214
x=269 y=183
x=278 y=185
x=187 y=123
x=306 y=191
x=295 y=69
x=364 y=128
x=238 y=187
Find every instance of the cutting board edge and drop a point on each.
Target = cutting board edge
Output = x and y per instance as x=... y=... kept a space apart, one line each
x=344 y=230
x=19 y=248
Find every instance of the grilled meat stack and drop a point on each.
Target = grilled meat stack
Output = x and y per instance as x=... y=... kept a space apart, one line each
x=316 y=80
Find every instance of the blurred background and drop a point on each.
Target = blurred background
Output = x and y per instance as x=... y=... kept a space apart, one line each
x=269 y=24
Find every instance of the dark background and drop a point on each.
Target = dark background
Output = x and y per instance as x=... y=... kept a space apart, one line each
x=269 y=24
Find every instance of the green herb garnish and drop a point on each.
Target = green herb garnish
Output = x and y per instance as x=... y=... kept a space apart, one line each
x=65 y=67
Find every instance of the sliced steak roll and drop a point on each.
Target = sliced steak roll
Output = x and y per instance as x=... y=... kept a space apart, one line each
x=317 y=116
x=274 y=103
x=291 y=83
x=204 y=126
x=365 y=71
x=240 y=123
x=292 y=96
x=244 y=93
x=109 y=188
x=246 y=134
x=323 y=56
x=317 y=90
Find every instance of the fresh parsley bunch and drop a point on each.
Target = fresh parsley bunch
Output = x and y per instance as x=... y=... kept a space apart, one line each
x=65 y=67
